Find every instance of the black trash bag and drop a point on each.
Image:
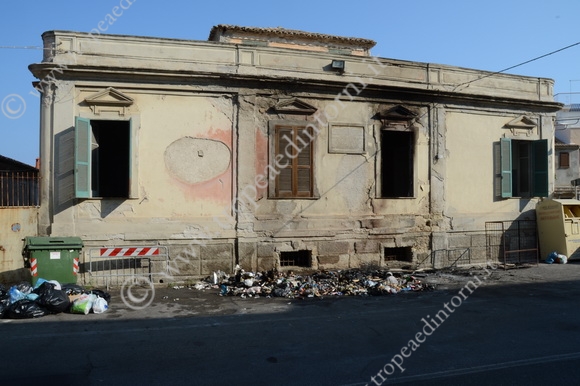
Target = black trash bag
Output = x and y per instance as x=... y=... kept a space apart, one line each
x=24 y=287
x=53 y=300
x=4 y=293
x=4 y=300
x=4 y=303
x=102 y=294
x=25 y=309
x=72 y=289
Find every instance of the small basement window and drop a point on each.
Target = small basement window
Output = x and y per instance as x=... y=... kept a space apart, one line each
x=399 y=254
x=301 y=258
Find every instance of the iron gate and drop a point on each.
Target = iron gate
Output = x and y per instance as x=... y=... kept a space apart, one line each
x=512 y=242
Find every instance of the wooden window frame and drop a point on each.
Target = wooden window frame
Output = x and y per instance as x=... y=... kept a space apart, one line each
x=301 y=138
x=564 y=160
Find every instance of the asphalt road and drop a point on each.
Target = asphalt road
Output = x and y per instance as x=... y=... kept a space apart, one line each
x=502 y=333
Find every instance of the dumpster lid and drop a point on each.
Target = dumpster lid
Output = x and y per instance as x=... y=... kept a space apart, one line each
x=53 y=242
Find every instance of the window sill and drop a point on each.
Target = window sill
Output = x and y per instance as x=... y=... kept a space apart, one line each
x=293 y=198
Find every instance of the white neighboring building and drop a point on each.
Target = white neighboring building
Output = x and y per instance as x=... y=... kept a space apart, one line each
x=566 y=154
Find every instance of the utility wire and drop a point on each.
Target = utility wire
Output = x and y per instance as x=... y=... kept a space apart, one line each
x=22 y=47
x=517 y=65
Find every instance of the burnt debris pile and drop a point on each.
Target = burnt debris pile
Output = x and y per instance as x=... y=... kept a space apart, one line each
x=351 y=282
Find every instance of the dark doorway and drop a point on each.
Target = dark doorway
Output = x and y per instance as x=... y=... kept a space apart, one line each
x=397 y=163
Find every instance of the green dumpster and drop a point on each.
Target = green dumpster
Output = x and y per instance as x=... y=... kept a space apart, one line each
x=53 y=258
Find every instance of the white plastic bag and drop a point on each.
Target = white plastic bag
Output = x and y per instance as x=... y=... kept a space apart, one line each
x=83 y=304
x=100 y=305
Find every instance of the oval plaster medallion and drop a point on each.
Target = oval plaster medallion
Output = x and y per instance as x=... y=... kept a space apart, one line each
x=194 y=160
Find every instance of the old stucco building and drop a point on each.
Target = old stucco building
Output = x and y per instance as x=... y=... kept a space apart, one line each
x=281 y=148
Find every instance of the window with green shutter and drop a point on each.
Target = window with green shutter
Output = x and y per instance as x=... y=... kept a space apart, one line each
x=524 y=168
x=102 y=158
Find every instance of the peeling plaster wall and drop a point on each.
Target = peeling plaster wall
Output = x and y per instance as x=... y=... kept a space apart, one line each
x=15 y=225
x=471 y=167
x=346 y=183
x=467 y=173
x=183 y=158
x=348 y=211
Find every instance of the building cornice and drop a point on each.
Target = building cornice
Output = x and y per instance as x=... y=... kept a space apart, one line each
x=117 y=57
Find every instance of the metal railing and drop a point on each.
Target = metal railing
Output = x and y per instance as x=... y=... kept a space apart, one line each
x=19 y=189
x=113 y=266
x=512 y=242
x=448 y=258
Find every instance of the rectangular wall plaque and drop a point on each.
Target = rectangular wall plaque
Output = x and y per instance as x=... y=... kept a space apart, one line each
x=347 y=139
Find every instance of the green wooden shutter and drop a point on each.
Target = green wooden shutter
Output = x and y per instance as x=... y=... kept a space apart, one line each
x=82 y=157
x=132 y=190
x=540 y=168
x=506 y=167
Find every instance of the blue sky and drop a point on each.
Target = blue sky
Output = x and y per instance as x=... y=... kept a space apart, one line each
x=488 y=35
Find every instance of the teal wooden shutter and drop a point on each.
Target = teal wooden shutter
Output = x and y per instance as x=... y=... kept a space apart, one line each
x=132 y=192
x=82 y=157
x=506 y=167
x=540 y=168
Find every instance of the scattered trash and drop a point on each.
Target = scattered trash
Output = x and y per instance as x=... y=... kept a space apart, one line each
x=101 y=294
x=557 y=258
x=23 y=301
x=352 y=282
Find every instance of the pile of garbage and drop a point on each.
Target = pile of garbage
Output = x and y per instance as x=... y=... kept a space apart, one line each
x=557 y=258
x=352 y=282
x=23 y=301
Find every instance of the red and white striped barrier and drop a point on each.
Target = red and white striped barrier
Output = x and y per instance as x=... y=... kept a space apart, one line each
x=75 y=266
x=114 y=265
x=125 y=252
x=33 y=267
